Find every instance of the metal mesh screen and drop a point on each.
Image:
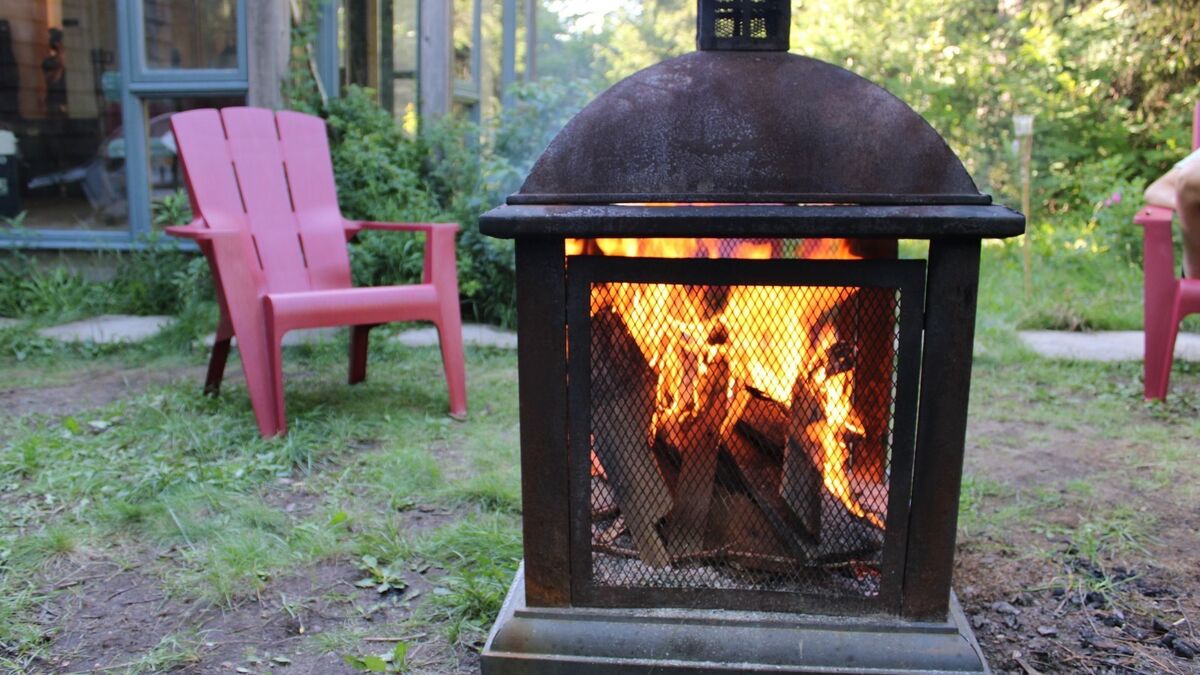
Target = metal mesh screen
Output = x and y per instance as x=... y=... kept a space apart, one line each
x=741 y=435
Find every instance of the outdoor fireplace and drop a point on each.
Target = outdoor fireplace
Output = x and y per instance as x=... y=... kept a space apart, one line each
x=742 y=413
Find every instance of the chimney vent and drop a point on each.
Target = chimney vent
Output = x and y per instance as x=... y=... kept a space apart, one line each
x=743 y=25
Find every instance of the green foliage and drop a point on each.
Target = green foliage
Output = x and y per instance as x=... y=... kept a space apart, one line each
x=172 y=209
x=480 y=556
x=387 y=662
x=379 y=170
x=453 y=170
x=156 y=279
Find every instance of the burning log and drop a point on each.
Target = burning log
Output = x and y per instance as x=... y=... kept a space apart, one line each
x=760 y=478
x=869 y=320
x=699 y=441
x=622 y=409
x=764 y=421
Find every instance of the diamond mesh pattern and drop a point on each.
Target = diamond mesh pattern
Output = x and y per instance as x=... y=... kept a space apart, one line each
x=741 y=436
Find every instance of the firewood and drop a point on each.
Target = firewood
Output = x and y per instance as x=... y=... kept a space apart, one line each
x=868 y=319
x=764 y=421
x=623 y=405
x=698 y=445
x=738 y=527
x=760 y=479
x=801 y=482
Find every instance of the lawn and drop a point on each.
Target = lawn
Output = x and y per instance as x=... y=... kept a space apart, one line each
x=148 y=528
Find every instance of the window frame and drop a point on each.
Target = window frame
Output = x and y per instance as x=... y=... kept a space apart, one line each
x=142 y=73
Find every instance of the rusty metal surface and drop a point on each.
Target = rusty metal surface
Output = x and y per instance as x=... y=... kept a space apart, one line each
x=730 y=126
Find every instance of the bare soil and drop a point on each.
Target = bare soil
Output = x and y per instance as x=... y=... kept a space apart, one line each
x=109 y=615
x=1041 y=602
x=93 y=390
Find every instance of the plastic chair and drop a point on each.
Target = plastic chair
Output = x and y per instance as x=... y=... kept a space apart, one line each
x=267 y=218
x=1168 y=297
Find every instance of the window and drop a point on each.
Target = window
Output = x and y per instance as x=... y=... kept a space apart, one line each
x=61 y=116
x=190 y=34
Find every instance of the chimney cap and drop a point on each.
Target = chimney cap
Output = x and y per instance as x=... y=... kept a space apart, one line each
x=743 y=25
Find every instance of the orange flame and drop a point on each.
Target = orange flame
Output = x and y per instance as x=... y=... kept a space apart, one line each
x=765 y=333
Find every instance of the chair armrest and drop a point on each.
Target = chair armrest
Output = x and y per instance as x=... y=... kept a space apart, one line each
x=353 y=227
x=198 y=231
x=1158 y=252
x=1154 y=214
x=441 y=270
x=194 y=230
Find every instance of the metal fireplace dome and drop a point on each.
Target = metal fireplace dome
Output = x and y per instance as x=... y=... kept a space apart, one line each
x=758 y=126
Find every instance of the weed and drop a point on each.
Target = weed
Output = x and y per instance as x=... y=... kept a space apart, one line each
x=393 y=661
x=171 y=652
x=380 y=578
x=480 y=555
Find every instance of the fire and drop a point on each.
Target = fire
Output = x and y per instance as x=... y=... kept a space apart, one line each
x=769 y=336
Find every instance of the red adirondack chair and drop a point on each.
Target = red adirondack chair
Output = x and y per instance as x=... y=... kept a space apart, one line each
x=267 y=218
x=1168 y=297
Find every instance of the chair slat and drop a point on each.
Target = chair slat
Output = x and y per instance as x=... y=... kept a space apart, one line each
x=208 y=168
x=254 y=147
x=305 y=148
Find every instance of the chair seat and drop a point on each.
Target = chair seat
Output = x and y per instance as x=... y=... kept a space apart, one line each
x=352 y=306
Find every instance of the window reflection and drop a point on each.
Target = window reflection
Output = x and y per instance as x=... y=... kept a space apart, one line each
x=191 y=33
x=59 y=114
x=166 y=175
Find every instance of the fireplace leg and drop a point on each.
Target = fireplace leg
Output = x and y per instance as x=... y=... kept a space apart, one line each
x=594 y=641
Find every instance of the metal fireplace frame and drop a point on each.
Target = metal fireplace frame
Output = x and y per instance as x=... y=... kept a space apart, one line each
x=743 y=145
x=947 y=324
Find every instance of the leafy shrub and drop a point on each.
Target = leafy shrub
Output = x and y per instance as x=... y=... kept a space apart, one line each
x=454 y=170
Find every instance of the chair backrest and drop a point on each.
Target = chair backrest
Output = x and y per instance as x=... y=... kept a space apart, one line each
x=269 y=176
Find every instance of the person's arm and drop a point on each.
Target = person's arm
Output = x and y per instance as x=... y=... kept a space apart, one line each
x=1162 y=192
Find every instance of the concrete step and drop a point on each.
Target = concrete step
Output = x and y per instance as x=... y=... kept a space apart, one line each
x=473 y=334
x=108 y=329
x=1102 y=346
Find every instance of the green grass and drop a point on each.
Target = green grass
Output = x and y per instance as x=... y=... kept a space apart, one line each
x=170 y=469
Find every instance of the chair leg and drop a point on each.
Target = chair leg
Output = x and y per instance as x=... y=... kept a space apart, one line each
x=261 y=385
x=220 y=354
x=275 y=346
x=216 y=367
x=449 y=325
x=1162 y=327
x=359 y=336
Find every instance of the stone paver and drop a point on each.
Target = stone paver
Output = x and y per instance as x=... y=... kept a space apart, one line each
x=108 y=328
x=6 y=322
x=1103 y=346
x=473 y=334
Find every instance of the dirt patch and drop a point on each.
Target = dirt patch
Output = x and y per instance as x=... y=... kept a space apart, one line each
x=92 y=390
x=1054 y=592
x=303 y=623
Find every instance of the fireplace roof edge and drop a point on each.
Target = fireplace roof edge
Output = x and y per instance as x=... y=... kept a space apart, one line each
x=939 y=221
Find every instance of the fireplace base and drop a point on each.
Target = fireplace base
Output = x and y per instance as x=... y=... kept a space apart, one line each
x=580 y=640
